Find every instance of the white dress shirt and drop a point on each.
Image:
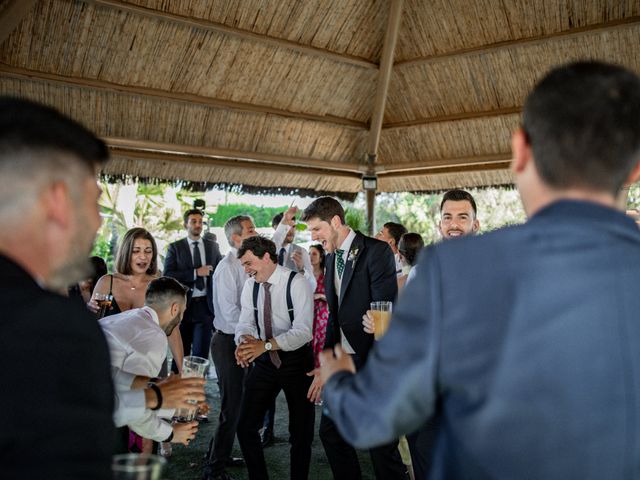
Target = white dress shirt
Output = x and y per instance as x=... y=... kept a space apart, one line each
x=228 y=281
x=278 y=238
x=196 y=292
x=289 y=336
x=337 y=282
x=138 y=346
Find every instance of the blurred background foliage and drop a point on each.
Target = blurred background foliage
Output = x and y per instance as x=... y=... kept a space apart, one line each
x=159 y=209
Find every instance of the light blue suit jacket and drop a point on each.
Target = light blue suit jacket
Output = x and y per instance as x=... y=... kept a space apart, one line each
x=525 y=342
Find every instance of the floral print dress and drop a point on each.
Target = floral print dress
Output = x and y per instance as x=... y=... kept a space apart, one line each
x=320 y=319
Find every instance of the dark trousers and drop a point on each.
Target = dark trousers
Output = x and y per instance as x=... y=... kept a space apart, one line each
x=231 y=385
x=262 y=386
x=386 y=460
x=196 y=329
x=421 y=445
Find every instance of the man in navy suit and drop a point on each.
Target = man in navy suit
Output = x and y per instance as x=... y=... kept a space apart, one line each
x=192 y=261
x=359 y=270
x=524 y=342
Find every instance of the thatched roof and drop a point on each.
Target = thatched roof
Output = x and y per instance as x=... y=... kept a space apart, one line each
x=306 y=95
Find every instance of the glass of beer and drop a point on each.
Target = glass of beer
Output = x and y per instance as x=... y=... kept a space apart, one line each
x=192 y=366
x=104 y=303
x=381 y=312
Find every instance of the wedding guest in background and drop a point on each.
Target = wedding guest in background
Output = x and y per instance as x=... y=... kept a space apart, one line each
x=320 y=310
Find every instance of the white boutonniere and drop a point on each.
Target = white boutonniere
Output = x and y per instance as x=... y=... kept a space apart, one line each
x=353 y=254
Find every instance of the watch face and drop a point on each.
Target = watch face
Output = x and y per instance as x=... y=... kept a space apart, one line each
x=267 y=346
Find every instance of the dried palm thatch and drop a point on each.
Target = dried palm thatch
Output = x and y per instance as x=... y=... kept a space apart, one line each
x=279 y=96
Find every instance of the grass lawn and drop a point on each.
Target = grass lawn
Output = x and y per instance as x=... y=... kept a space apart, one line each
x=186 y=462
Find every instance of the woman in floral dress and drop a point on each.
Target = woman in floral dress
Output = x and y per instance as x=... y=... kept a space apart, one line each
x=320 y=310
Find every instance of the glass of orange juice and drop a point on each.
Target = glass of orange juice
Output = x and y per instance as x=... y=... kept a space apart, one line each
x=381 y=312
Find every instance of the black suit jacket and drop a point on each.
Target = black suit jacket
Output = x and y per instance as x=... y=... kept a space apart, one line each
x=179 y=265
x=369 y=276
x=56 y=404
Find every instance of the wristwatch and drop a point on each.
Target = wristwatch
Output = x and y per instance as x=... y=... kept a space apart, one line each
x=268 y=346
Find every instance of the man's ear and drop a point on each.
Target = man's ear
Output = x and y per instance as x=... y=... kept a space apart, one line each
x=521 y=150
x=476 y=225
x=336 y=222
x=174 y=309
x=58 y=204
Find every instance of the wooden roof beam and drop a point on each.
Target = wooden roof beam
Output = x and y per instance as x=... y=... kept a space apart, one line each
x=224 y=162
x=253 y=158
x=235 y=32
x=573 y=32
x=16 y=72
x=480 y=167
x=384 y=77
x=498 y=112
x=11 y=14
x=478 y=162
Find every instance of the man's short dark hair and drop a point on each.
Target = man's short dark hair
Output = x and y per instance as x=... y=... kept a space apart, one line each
x=457 y=195
x=258 y=246
x=582 y=123
x=396 y=230
x=29 y=126
x=163 y=291
x=192 y=211
x=324 y=208
x=277 y=218
x=409 y=246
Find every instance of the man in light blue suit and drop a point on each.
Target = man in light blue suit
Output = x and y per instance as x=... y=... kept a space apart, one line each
x=524 y=342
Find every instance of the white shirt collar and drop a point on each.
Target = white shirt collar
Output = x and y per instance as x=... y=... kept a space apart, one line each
x=275 y=277
x=153 y=314
x=346 y=244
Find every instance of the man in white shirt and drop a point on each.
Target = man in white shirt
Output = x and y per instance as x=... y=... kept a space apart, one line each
x=291 y=255
x=228 y=280
x=294 y=258
x=138 y=344
x=273 y=333
x=391 y=233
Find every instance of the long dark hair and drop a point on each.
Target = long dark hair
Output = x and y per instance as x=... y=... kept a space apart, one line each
x=320 y=250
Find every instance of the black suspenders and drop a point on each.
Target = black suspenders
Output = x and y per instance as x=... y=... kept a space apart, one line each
x=256 y=290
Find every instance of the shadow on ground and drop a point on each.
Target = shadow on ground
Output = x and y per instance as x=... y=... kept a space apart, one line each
x=186 y=462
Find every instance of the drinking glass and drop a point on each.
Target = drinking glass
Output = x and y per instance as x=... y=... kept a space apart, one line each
x=137 y=466
x=381 y=312
x=192 y=366
x=104 y=301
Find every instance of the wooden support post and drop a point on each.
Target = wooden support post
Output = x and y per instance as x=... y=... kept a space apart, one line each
x=371 y=212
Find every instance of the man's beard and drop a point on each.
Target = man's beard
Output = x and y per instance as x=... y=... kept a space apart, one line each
x=78 y=266
x=76 y=269
x=168 y=329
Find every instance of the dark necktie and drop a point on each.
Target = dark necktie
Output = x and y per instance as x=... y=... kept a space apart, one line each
x=268 y=332
x=340 y=260
x=281 y=256
x=197 y=263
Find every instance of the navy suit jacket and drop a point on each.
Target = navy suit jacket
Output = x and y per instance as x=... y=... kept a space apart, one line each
x=57 y=396
x=179 y=264
x=525 y=342
x=369 y=276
